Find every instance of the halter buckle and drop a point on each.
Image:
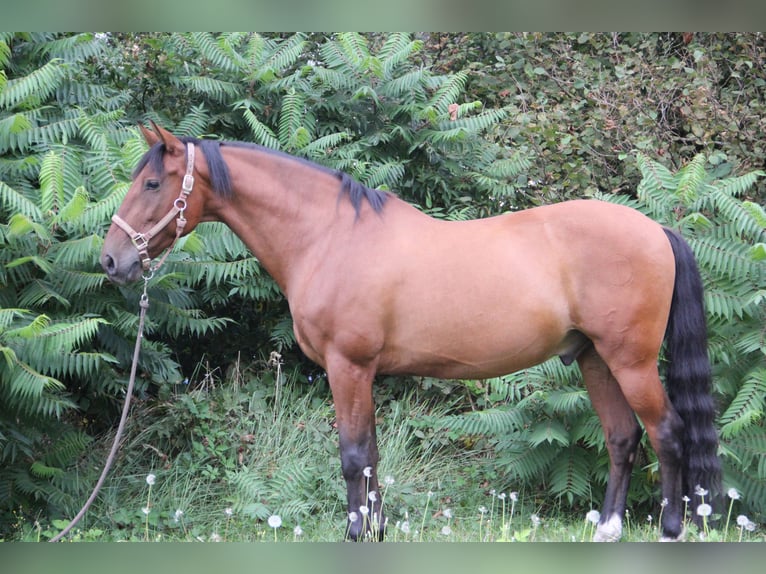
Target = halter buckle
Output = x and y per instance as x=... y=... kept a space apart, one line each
x=188 y=183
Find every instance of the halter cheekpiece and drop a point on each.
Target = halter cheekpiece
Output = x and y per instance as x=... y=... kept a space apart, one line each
x=141 y=240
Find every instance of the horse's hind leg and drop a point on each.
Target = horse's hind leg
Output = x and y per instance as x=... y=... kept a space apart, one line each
x=622 y=433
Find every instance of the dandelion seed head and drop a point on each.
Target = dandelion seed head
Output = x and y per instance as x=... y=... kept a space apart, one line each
x=353 y=517
x=447 y=513
x=146 y=510
x=492 y=492
x=501 y=496
x=367 y=471
x=750 y=526
x=215 y=537
x=593 y=516
x=704 y=509
x=742 y=520
x=229 y=512
x=535 y=519
x=388 y=480
x=405 y=528
x=664 y=502
x=686 y=498
x=151 y=479
x=733 y=493
x=446 y=530
x=275 y=521
x=364 y=510
x=372 y=496
x=298 y=531
x=178 y=514
x=482 y=510
x=649 y=519
x=514 y=496
x=699 y=491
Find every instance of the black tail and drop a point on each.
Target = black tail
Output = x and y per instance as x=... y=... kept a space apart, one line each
x=688 y=376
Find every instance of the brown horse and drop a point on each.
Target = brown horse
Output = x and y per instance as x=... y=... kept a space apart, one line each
x=376 y=286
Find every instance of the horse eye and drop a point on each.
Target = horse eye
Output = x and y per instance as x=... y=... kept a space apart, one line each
x=152 y=184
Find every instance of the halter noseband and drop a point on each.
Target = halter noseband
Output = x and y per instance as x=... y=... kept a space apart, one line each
x=141 y=240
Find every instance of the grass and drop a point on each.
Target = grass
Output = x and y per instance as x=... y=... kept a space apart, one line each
x=257 y=461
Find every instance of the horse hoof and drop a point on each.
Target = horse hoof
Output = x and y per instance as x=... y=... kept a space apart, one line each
x=609 y=531
x=680 y=538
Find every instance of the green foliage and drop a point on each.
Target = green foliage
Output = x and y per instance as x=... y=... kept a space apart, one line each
x=724 y=231
x=463 y=125
x=581 y=103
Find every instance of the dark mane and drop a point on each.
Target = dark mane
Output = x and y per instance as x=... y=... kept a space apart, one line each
x=220 y=179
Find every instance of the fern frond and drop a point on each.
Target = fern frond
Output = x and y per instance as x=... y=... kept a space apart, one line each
x=217 y=90
x=691 y=180
x=287 y=53
x=747 y=407
x=291 y=125
x=51 y=183
x=15 y=202
x=448 y=93
x=656 y=175
x=396 y=50
x=194 y=123
x=495 y=422
x=570 y=473
x=37 y=85
x=262 y=134
x=210 y=49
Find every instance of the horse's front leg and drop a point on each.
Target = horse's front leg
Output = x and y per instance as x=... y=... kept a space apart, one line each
x=351 y=387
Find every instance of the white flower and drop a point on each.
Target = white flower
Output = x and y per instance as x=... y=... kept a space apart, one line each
x=146 y=510
x=298 y=531
x=447 y=513
x=275 y=521
x=353 y=517
x=733 y=494
x=699 y=491
x=704 y=510
x=742 y=520
x=150 y=479
x=388 y=480
x=446 y=530
x=514 y=496
x=373 y=496
x=367 y=471
x=593 y=516
x=229 y=512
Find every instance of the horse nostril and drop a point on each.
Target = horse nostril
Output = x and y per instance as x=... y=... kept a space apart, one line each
x=109 y=265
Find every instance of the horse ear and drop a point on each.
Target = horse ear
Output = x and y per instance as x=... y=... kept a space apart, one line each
x=150 y=137
x=173 y=145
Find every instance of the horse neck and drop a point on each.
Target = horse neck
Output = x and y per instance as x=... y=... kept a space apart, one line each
x=280 y=209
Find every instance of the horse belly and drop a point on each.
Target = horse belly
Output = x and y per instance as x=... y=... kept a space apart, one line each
x=477 y=328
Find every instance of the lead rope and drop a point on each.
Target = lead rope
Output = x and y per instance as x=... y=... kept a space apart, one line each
x=144 y=305
x=141 y=243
